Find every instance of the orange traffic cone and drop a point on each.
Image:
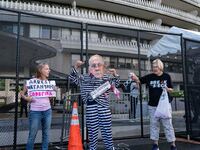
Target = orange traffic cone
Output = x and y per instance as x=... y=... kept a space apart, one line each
x=75 y=141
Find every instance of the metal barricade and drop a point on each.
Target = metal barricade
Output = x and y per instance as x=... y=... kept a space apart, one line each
x=124 y=108
x=66 y=115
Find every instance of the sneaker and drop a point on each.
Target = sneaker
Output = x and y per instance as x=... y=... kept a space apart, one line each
x=155 y=147
x=173 y=147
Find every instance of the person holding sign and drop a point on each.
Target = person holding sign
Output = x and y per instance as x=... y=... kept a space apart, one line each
x=157 y=82
x=95 y=87
x=39 y=90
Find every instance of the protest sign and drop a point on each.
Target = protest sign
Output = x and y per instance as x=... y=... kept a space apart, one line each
x=100 y=90
x=41 y=88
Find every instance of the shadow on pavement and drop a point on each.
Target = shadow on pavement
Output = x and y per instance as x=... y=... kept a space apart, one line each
x=145 y=144
x=130 y=144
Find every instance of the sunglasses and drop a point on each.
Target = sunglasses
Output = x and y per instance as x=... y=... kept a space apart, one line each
x=154 y=66
x=96 y=65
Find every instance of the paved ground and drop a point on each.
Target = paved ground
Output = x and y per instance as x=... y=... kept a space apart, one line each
x=122 y=128
x=145 y=144
x=133 y=144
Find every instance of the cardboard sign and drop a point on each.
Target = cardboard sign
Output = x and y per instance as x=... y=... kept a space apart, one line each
x=100 y=90
x=41 y=88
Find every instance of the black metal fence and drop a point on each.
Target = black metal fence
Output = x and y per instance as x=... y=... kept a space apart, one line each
x=27 y=39
x=192 y=84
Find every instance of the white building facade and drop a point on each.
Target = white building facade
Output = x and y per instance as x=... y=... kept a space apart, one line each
x=119 y=50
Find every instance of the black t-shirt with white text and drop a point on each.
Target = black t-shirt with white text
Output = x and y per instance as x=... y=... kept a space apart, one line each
x=155 y=84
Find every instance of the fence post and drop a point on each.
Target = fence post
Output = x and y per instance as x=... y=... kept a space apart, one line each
x=17 y=82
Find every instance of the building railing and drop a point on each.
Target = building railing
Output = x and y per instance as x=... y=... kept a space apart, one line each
x=108 y=44
x=106 y=17
x=193 y=2
x=84 y=15
x=160 y=8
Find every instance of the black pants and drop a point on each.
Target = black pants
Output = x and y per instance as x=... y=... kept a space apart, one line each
x=22 y=109
x=133 y=106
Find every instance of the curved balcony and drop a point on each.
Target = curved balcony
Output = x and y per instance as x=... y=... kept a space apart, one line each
x=162 y=9
x=193 y=2
x=30 y=51
x=83 y=15
x=109 y=45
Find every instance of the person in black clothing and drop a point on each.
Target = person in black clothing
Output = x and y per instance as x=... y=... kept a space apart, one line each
x=23 y=106
x=156 y=81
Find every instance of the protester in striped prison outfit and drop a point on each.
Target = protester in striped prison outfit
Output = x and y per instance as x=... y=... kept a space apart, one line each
x=98 y=114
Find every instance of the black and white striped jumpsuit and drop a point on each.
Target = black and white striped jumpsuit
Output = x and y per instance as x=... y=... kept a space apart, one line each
x=98 y=114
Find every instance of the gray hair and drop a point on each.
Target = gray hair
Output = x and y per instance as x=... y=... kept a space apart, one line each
x=96 y=56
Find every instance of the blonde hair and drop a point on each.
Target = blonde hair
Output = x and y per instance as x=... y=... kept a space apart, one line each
x=159 y=63
x=93 y=57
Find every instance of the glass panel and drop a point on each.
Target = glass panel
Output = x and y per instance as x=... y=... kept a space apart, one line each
x=135 y=64
x=106 y=61
x=21 y=29
x=128 y=63
x=45 y=32
x=113 y=62
x=56 y=33
x=121 y=63
x=34 y=31
x=75 y=57
x=143 y=65
x=65 y=33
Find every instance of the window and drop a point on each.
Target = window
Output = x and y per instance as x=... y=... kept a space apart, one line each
x=168 y=67
x=128 y=63
x=142 y=65
x=76 y=33
x=121 y=63
x=113 y=62
x=2 y=84
x=75 y=57
x=21 y=29
x=34 y=31
x=135 y=64
x=106 y=61
x=11 y=28
x=45 y=32
x=173 y=67
x=56 y=33
x=7 y=28
x=65 y=33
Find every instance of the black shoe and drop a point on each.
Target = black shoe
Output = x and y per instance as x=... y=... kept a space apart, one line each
x=155 y=147
x=194 y=120
x=173 y=147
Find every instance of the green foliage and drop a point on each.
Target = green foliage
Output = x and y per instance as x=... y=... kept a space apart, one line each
x=2 y=84
x=177 y=93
